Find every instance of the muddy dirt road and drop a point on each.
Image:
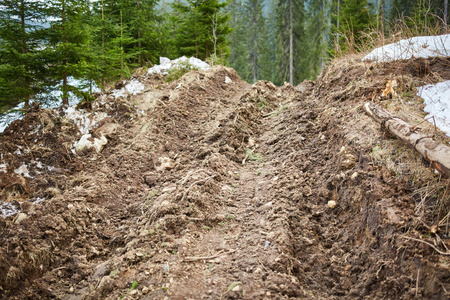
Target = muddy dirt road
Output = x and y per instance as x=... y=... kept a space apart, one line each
x=215 y=190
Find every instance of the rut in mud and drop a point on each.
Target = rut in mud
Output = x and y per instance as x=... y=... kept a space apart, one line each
x=221 y=190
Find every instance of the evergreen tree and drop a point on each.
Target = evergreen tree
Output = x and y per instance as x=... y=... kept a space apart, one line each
x=257 y=42
x=21 y=73
x=67 y=37
x=238 y=49
x=317 y=27
x=291 y=37
x=356 y=16
x=203 y=28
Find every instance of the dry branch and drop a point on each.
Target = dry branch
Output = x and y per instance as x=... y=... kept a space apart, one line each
x=197 y=258
x=433 y=151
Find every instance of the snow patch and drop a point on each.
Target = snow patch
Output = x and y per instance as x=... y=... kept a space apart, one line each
x=85 y=121
x=437 y=104
x=8 y=209
x=3 y=168
x=22 y=171
x=166 y=64
x=134 y=87
x=48 y=100
x=84 y=142
x=420 y=46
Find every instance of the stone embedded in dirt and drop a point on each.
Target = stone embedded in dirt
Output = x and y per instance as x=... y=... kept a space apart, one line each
x=21 y=217
x=228 y=80
x=331 y=204
x=86 y=143
x=165 y=163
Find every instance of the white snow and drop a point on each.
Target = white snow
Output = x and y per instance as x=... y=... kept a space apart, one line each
x=166 y=64
x=435 y=96
x=86 y=143
x=23 y=171
x=134 y=87
x=420 y=46
x=85 y=121
x=437 y=104
x=8 y=209
x=47 y=101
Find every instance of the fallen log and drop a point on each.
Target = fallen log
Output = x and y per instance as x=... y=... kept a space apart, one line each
x=436 y=153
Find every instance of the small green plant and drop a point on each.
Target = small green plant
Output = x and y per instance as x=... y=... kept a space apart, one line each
x=375 y=149
x=134 y=285
x=262 y=103
x=152 y=194
x=279 y=111
x=253 y=156
x=206 y=227
x=114 y=273
x=221 y=223
x=176 y=73
x=229 y=217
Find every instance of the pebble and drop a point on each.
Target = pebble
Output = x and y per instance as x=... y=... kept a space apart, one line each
x=21 y=217
x=145 y=290
x=331 y=204
x=133 y=292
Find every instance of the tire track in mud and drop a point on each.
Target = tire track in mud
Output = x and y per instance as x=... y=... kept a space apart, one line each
x=170 y=211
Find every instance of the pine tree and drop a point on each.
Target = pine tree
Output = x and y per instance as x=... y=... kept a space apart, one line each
x=356 y=16
x=257 y=38
x=21 y=73
x=67 y=38
x=199 y=19
x=290 y=33
x=317 y=29
x=237 y=39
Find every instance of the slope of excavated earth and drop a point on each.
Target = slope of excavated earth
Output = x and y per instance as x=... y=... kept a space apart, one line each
x=215 y=190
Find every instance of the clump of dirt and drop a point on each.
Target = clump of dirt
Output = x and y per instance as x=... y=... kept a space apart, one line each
x=215 y=189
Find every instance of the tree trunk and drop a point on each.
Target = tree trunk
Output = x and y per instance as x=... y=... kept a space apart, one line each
x=445 y=15
x=24 y=52
x=139 y=35
x=291 y=45
x=103 y=47
x=337 y=34
x=434 y=152
x=65 y=98
x=121 y=42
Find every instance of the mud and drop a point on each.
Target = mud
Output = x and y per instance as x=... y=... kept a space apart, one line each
x=214 y=190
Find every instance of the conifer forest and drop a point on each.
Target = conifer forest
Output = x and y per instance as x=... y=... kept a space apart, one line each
x=43 y=43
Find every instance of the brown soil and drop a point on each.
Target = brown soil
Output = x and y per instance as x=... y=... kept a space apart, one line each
x=209 y=190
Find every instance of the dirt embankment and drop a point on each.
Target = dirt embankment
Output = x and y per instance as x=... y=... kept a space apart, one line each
x=208 y=189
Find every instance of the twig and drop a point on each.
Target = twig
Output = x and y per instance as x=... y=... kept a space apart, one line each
x=429 y=244
x=417 y=282
x=194 y=183
x=29 y=150
x=197 y=258
x=183 y=180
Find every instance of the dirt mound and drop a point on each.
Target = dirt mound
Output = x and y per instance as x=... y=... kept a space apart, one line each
x=209 y=187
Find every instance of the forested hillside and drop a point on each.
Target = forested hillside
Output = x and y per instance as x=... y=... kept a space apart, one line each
x=47 y=43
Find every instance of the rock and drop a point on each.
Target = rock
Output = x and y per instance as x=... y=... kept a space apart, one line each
x=145 y=290
x=86 y=143
x=21 y=217
x=165 y=164
x=331 y=204
x=133 y=292
x=228 y=80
